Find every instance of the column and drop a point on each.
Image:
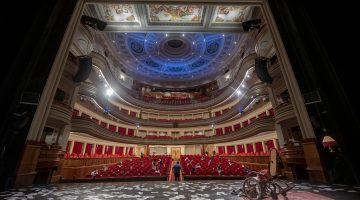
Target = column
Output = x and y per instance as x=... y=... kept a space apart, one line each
x=263 y=146
x=103 y=149
x=147 y=150
x=254 y=147
x=113 y=150
x=93 y=149
x=83 y=148
x=245 y=148
x=55 y=75
x=280 y=135
x=276 y=144
x=278 y=128
x=71 y=148
x=135 y=151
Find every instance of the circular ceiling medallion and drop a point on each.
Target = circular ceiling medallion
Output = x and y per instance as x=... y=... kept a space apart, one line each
x=175 y=43
x=175 y=57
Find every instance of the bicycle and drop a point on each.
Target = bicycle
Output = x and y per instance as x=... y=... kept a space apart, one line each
x=262 y=185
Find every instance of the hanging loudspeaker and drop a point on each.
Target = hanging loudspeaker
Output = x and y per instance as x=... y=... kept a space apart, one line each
x=84 y=70
x=93 y=22
x=261 y=70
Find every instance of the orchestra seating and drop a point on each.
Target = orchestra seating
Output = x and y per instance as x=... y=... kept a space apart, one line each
x=136 y=167
x=208 y=169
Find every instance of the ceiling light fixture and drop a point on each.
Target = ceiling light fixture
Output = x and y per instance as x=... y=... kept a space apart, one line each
x=109 y=92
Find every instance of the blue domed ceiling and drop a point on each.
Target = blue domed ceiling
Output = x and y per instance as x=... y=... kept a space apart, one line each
x=175 y=57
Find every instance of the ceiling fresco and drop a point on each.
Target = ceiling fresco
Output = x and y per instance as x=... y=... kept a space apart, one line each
x=175 y=57
x=175 y=13
x=172 y=18
x=230 y=14
x=118 y=13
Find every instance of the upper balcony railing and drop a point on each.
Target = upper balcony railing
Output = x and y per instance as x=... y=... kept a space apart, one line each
x=255 y=91
x=129 y=95
x=88 y=126
x=60 y=114
x=284 y=111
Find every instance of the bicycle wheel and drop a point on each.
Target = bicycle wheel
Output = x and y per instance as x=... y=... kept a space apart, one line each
x=252 y=189
x=283 y=186
x=272 y=189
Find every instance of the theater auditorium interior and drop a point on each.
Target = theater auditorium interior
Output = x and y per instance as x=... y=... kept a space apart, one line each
x=102 y=98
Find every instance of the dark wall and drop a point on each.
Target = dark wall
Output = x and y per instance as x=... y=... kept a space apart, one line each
x=318 y=37
x=33 y=42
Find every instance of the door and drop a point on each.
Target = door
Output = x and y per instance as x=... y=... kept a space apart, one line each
x=175 y=153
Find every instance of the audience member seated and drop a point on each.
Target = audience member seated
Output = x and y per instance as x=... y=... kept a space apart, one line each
x=219 y=168
x=94 y=173
x=197 y=166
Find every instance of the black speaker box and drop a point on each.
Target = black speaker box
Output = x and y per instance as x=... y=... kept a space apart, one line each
x=93 y=22
x=261 y=70
x=85 y=66
x=251 y=24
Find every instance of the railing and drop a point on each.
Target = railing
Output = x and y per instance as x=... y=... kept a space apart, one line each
x=74 y=168
x=88 y=126
x=284 y=112
x=100 y=61
x=257 y=91
x=258 y=162
x=60 y=113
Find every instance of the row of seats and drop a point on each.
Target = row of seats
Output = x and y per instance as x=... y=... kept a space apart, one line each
x=75 y=155
x=191 y=136
x=136 y=167
x=248 y=154
x=158 y=137
x=209 y=166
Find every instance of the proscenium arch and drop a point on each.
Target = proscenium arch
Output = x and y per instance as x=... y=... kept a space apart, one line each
x=53 y=80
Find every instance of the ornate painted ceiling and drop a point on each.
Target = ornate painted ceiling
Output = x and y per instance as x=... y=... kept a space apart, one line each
x=173 y=45
x=176 y=18
x=175 y=56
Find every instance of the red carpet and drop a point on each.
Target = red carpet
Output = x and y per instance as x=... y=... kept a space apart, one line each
x=303 y=196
